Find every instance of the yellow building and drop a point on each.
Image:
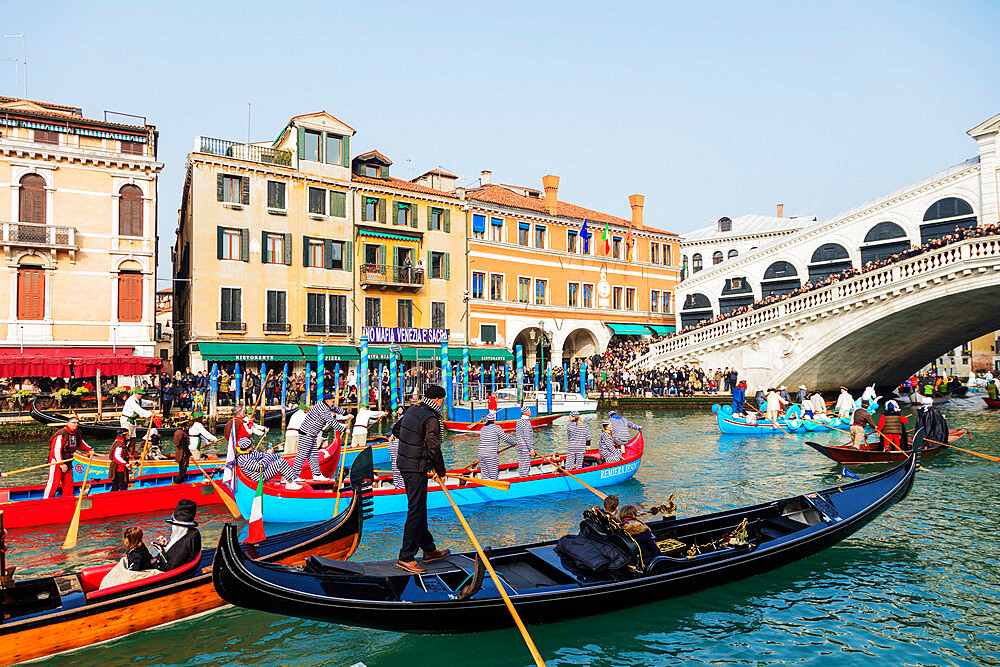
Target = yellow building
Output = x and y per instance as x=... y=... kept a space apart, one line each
x=78 y=230
x=290 y=244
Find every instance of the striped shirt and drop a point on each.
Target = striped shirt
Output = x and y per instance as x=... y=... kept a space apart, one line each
x=319 y=417
x=577 y=435
x=610 y=451
x=525 y=434
x=620 y=429
x=489 y=440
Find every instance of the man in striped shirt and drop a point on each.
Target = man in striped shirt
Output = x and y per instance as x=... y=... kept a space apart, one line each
x=525 y=437
x=578 y=440
x=320 y=416
x=489 y=447
x=611 y=452
x=620 y=428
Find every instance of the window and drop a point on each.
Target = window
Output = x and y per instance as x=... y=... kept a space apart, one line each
x=478 y=284
x=436 y=221
x=588 y=296
x=437 y=315
x=540 y=292
x=496 y=230
x=439 y=262
x=371 y=209
x=522 y=234
x=274 y=248
x=317 y=201
x=616 y=298
x=373 y=312
x=573 y=295
x=654 y=253
x=338 y=204
x=276 y=307
x=231 y=245
x=629 y=298
x=373 y=254
x=666 y=302
x=725 y=225
x=276 y=195
x=332 y=149
x=404 y=313
x=829 y=252
x=523 y=289
x=666 y=253
x=696 y=263
x=717 y=257
x=496 y=287
x=46 y=137
x=338 y=313
x=30 y=293
x=654 y=301
x=130 y=211
x=371 y=171
x=232 y=306
x=572 y=238
x=540 y=237
x=478 y=226
x=129 y=297
x=733 y=254
x=316 y=257
x=132 y=148
x=336 y=259
x=488 y=333
x=616 y=247
x=31 y=196
x=231 y=189
x=403 y=214
x=312 y=139
x=315 y=313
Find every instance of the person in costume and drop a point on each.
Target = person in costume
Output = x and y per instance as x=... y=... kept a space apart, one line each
x=63 y=444
x=628 y=517
x=132 y=412
x=620 y=428
x=184 y=542
x=320 y=416
x=490 y=436
x=524 y=433
x=136 y=564
x=610 y=450
x=255 y=463
x=739 y=396
x=860 y=419
x=119 y=461
x=364 y=419
x=292 y=431
x=845 y=404
x=578 y=441
x=892 y=424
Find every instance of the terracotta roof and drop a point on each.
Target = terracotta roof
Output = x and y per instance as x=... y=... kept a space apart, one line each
x=50 y=105
x=370 y=154
x=436 y=172
x=402 y=185
x=63 y=117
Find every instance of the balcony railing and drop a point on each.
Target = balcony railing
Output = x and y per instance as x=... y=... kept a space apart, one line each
x=334 y=329
x=390 y=274
x=232 y=327
x=249 y=152
x=277 y=327
x=34 y=235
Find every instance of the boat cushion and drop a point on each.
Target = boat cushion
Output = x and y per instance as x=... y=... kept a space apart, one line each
x=141 y=583
x=591 y=555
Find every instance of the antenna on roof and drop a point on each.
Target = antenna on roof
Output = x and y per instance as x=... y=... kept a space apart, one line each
x=24 y=74
x=248 y=124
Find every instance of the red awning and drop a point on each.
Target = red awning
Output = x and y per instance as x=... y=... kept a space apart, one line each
x=85 y=367
x=23 y=365
x=35 y=365
x=76 y=351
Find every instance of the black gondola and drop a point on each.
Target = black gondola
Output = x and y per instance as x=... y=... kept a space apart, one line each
x=111 y=428
x=700 y=552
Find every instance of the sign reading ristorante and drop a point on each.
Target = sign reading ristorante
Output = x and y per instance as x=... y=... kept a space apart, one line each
x=404 y=335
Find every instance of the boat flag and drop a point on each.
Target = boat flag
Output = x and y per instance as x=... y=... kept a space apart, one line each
x=847 y=473
x=255 y=532
x=585 y=235
x=607 y=239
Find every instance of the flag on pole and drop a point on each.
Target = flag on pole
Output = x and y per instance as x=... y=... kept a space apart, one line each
x=848 y=473
x=607 y=239
x=628 y=244
x=255 y=532
x=585 y=235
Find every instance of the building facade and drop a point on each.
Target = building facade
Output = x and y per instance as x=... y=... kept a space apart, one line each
x=538 y=278
x=78 y=230
x=291 y=244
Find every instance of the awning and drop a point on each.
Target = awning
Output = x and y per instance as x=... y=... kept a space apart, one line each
x=35 y=365
x=85 y=367
x=429 y=353
x=22 y=365
x=479 y=223
x=662 y=330
x=481 y=354
x=251 y=352
x=377 y=353
x=331 y=352
x=628 y=329
x=387 y=235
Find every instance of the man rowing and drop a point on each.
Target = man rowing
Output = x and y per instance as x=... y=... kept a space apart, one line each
x=118 y=465
x=610 y=450
x=845 y=404
x=62 y=445
x=490 y=436
x=739 y=396
x=132 y=412
x=578 y=441
x=320 y=416
x=620 y=428
x=861 y=419
x=524 y=433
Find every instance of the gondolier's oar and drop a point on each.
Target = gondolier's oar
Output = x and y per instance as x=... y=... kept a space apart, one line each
x=493 y=575
x=74 y=524
x=766 y=419
x=600 y=495
x=229 y=501
x=44 y=465
x=145 y=445
x=967 y=451
x=492 y=483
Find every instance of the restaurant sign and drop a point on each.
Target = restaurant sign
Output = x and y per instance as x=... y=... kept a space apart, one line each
x=405 y=335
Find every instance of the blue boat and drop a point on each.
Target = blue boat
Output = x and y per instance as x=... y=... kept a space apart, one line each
x=791 y=422
x=317 y=500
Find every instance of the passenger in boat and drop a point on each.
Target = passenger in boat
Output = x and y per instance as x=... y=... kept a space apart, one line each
x=739 y=396
x=578 y=441
x=860 y=419
x=818 y=404
x=524 y=433
x=620 y=428
x=892 y=425
x=760 y=398
x=135 y=565
x=119 y=461
x=610 y=450
x=255 y=464
x=801 y=395
x=628 y=517
x=420 y=433
x=184 y=542
x=786 y=398
x=132 y=412
x=991 y=389
x=322 y=415
x=62 y=445
x=845 y=404
x=774 y=404
x=490 y=436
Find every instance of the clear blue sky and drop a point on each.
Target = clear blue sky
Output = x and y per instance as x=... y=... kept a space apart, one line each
x=707 y=109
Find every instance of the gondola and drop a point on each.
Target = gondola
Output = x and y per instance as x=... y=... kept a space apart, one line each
x=49 y=615
x=850 y=455
x=991 y=402
x=544 y=585
x=109 y=428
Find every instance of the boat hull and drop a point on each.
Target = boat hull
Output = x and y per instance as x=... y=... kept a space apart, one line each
x=507 y=425
x=852 y=456
x=991 y=402
x=738 y=426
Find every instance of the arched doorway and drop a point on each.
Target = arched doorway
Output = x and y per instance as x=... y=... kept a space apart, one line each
x=946 y=216
x=697 y=308
x=535 y=346
x=883 y=240
x=829 y=259
x=580 y=344
x=780 y=278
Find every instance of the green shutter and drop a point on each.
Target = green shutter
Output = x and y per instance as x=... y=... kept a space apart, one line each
x=381 y=212
x=245 y=245
x=430 y=263
x=430 y=217
x=345 y=151
x=245 y=190
x=302 y=143
x=305 y=251
x=381 y=254
x=219 y=241
x=338 y=204
x=328 y=253
x=288 y=249
x=447 y=266
x=348 y=255
x=220 y=188
x=447 y=220
x=263 y=248
x=395 y=212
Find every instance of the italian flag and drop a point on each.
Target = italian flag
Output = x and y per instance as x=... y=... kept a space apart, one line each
x=256 y=531
x=607 y=239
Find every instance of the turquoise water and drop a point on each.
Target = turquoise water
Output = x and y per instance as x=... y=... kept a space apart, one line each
x=919 y=586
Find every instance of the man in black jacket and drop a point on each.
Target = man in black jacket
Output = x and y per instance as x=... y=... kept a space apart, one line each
x=184 y=542
x=420 y=432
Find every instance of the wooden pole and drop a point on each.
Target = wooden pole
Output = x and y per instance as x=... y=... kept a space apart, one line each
x=44 y=465
x=229 y=501
x=74 y=524
x=493 y=575
x=100 y=412
x=145 y=447
x=600 y=495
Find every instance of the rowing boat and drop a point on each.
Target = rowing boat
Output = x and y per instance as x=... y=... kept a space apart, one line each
x=850 y=455
x=544 y=585
x=991 y=402
x=506 y=425
x=48 y=615
x=317 y=499
x=111 y=428
x=791 y=422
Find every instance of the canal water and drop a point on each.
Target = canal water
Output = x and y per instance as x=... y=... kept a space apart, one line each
x=918 y=586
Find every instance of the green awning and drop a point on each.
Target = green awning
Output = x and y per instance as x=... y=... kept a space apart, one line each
x=662 y=330
x=480 y=354
x=332 y=352
x=628 y=329
x=251 y=352
x=387 y=235
x=430 y=353
x=377 y=354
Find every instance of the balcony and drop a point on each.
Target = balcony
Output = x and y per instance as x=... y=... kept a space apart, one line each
x=277 y=327
x=231 y=327
x=34 y=235
x=389 y=275
x=323 y=329
x=248 y=152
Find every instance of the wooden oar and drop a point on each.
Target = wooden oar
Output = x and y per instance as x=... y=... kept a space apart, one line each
x=492 y=483
x=145 y=445
x=44 y=465
x=74 y=524
x=493 y=575
x=600 y=495
x=766 y=419
x=967 y=451
x=226 y=498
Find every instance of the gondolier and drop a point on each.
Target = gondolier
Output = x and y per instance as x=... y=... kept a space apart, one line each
x=610 y=450
x=132 y=412
x=319 y=417
x=490 y=436
x=364 y=419
x=845 y=404
x=525 y=436
x=199 y=435
x=578 y=441
x=119 y=464
x=62 y=445
x=620 y=428
x=420 y=433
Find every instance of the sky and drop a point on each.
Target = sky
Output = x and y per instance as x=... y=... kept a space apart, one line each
x=707 y=109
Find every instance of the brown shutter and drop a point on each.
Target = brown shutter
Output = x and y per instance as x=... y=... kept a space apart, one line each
x=129 y=297
x=30 y=294
x=245 y=190
x=32 y=199
x=130 y=211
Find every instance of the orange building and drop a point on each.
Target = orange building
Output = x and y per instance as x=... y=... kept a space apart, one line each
x=534 y=281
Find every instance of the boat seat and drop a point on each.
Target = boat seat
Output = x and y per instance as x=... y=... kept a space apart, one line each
x=113 y=590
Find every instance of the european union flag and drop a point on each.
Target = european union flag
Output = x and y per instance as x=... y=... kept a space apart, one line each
x=585 y=235
x=847 y=473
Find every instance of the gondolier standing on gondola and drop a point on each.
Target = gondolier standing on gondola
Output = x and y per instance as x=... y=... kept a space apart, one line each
x=525 y=436
x=490 y=436
x=132 y=412
x=420 y=432
x=118 y=466
x=320 y=416
x=63 y=445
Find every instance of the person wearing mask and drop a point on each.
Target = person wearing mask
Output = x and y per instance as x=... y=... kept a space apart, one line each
x=184 y=542
x=892 y=426
x=490 y=436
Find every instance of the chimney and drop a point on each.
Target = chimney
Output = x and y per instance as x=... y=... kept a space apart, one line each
x=484 y=177
x=551 y=185
x=636 y=202
x=781 y=210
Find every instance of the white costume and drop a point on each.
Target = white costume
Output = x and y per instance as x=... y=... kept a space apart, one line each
x=132 y=411
x=292 y=431
x=359 y=436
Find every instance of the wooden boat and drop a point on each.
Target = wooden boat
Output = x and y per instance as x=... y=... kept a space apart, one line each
x=507 y=425
x=546 y=587
x=791 y=422
x=49 y=615
x=110 y=428
x=991 y=402
x=850 y=455
x=563 y=402
x=318 y=499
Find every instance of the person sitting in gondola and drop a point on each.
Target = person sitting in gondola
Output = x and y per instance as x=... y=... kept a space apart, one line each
x=892 y=425
x=490 y=436
x=136 y=564
x=610 y=450
x=628 y=517
x=610 y=506
x=255 y=463
x=184 y=542
x=119 y=461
